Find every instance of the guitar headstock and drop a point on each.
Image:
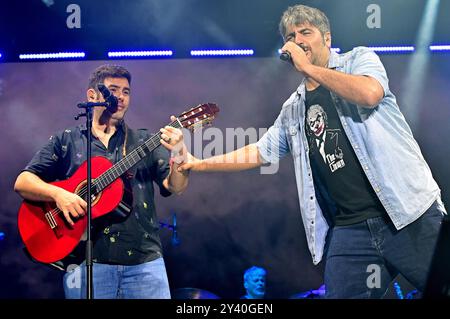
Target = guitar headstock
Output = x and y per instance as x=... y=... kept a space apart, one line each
x=201 y=115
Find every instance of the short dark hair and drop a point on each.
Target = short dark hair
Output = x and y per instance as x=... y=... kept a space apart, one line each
x=99 y=75
x=301 y=14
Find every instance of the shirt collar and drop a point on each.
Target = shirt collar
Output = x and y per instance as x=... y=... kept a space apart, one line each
x=335 y=61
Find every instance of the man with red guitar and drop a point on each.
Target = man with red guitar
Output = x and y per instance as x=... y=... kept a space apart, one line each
x=127 y=250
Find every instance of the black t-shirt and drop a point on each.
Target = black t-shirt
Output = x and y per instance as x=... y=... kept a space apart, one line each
x=334 y=163
x=127 y=240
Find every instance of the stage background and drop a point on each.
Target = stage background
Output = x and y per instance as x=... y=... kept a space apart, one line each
x=226 y=222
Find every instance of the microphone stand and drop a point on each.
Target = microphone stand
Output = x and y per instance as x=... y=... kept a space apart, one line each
x=175 y=240
x=88 y=106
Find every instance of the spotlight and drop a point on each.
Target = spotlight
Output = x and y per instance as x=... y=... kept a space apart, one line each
x=48 y=3
x=237 y=52
x=56 y=56
x=126 y=54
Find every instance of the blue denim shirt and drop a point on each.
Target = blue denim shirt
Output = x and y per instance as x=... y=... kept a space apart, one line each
x=383 y=143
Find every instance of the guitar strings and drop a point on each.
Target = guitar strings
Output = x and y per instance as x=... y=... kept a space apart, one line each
x=103 y=179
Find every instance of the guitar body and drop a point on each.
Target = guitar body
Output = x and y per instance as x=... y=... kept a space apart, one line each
x=47 y=244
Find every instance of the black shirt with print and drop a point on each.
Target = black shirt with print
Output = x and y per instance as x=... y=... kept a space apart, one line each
x=334 y=163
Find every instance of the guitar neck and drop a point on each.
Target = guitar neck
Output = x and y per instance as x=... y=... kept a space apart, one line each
x=130 y=160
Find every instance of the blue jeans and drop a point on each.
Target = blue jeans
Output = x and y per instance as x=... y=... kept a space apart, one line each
x=143 y=281
x=362 y=259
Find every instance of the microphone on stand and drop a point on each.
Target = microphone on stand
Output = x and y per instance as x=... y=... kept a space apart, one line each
x=110 y=99
x=175 y=239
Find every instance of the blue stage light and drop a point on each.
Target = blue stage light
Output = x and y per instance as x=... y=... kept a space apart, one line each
x=140 y=54
x=393 y=49
x=55 y=56
x=236 y=52
x=444 y=47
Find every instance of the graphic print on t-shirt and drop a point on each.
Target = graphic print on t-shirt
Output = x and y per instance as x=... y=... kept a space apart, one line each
x=325 y=139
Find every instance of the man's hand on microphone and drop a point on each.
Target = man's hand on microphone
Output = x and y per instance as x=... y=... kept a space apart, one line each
x=298 y=55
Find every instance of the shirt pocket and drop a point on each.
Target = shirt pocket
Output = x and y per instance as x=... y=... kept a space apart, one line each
x=293 y=137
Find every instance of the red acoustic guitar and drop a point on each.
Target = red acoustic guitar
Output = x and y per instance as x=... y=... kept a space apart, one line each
x=42 y=226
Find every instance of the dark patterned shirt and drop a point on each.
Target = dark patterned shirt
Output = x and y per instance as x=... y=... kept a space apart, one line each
x=118 y=239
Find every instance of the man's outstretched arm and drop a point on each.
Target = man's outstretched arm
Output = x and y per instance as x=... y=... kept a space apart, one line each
x=244 y=158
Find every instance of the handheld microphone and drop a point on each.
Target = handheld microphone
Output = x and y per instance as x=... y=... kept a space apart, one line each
x=110 y=99
x=286 y=56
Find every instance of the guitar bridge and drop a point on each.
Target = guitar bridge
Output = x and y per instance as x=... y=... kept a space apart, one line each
x=51 y=220
x=53 y=224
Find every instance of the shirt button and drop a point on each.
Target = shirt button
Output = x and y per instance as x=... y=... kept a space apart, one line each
x=293 y=130
x=112 y=239
x=366 y=167
x=312 y=197
x=356 y=146
x=312 y=222
x=377 y=190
